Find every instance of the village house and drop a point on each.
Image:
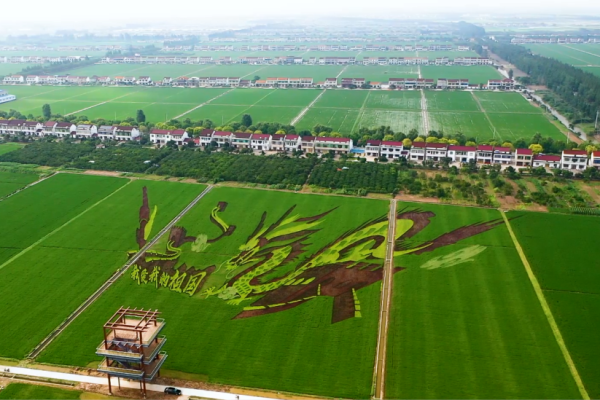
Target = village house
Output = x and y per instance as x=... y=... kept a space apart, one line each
x=221 y=138
x=278 y=143
x=336 y=145
x=373 y=148
x=13 y=79
x=417 y=151
x=435 y=151
x=48 y=128
x=595 y=159
x=462 y=154
x=546 y=161
x=391 y=149
x=292 y=142
x=144 y=80
x=485 y=154
x=308 y=144
x=574 y=159
x=523 y=157
x=260 y=141
x=32 y=128
x=106 y=132
x=126 y=133
x=63 y=129
x=241 y=140
x=503 y=155
x=85 y=131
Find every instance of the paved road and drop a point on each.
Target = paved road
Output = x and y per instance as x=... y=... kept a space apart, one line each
x=129 y=384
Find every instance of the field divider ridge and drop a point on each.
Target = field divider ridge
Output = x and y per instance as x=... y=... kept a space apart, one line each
x=387 y=282
x=28 y=186
x=360 y=111
x=203 y=104
x=26 y=250
x=424 y=112
x=303 y=112
x=486 y=115
x=99 y=104
x=547 y=311
x=63 y=325
x=341 y=72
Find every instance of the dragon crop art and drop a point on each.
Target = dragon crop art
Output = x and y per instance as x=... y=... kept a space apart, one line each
x=269 y=275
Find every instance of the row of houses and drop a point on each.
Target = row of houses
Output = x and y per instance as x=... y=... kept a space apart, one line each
x=67 y=129
x=38 y=59
x=576 y=160
x=5 y=97
x=270 y=82
x=61 y=48
x=323 y=47
x=296 y=60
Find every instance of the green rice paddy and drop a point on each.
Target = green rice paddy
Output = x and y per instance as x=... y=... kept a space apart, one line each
x=26 y=391
x=69 y=233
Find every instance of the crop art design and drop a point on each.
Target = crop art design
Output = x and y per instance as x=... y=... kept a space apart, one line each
x=273 y=271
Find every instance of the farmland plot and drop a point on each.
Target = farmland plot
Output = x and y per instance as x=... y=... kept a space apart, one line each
x=395 y=100
x=565 y=266
x=471 y=124
x=523 y=126
x=465 y=320
x=450 y=101
x=399 y=121
x=43 y=283
x=12 y=181
x=507 y=102
x=287 y=332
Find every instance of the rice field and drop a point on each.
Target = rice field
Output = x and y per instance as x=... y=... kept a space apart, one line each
x=476 y=74
x=579 y=55
x=472 y=328
x=72 y=241
x=569 y=280
x=13 y=181
x=344 y=110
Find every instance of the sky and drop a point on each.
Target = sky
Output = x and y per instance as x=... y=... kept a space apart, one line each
x=77 y=14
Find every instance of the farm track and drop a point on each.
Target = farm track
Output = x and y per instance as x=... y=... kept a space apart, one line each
x=424 y=113
x=387 y=283
x=486 y=116
x=26 y=250
x=546 y=308
x=305 y=110
x=48 y=339
x=203 y=104
x=28 y=186
x=361 y=111
x=99 y=104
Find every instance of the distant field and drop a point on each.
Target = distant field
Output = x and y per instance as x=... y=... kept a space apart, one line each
x=471 y=329
x=471 y=124
x=69 y=244
x=508 y=102
x=579 y=55
x=451 y=101
x=475 y=74
x=570 y=281
x=380 y=73
x=395 y=100
x=593 y=70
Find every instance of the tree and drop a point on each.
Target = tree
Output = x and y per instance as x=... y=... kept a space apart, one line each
x=536 y=148
x=407 y=143
x=46 y=111
x=511 y=73
x=246 y=120
x=140 y=117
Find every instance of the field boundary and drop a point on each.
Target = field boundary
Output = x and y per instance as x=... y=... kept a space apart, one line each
x=424 y=113
x=203 y=104
x=361 y=111
x=549 y=316
x=63 y=325
x=494 y=130
x=303 y=112
x=26 y=250
x=387 y=283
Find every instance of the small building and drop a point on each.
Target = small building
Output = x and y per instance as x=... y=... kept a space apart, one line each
x=5 y=97
x=106 y=132
x=373 y=148
x=292 y=142
x=523 y=157
x=595 y=159
x=435 y=151
x=241 y=140
x=546 y=161
x=307 y=144
x=485 y=154
x=574 y=159
x=462 y=154
x=417 y=151
x=205 y=137
x=503 y=155
x=337 y=145
x=126 y=133
x=278 y=143
x=260 y=141
x=391 y=149
x=85 y=131
x=221 y=138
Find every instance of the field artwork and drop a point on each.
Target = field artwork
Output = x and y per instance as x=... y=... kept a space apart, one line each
x=263 y=271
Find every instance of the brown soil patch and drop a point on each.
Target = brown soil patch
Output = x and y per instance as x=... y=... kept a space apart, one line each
x=417 y=198
x=102 y=173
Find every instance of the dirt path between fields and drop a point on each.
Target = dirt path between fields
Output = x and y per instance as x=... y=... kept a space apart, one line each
x=48 y=339
x=386 y=301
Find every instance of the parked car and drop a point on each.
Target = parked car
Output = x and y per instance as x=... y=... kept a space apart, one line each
x=172 y=390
